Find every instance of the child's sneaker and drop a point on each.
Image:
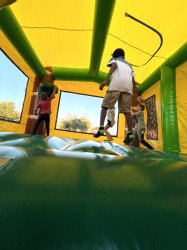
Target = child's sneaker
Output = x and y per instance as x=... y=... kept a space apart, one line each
x=129 y=138
x=100 y=132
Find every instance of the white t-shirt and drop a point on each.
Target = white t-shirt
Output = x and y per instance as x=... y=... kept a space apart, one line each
x=122 y=77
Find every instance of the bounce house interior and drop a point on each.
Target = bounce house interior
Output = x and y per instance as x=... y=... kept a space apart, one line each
x=70 y=190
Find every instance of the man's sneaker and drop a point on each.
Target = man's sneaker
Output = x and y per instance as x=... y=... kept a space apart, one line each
x=100 y=132
x=129 y=138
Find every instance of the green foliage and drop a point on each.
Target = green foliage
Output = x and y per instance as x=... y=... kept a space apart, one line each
x=8 y=110
x=74 y=123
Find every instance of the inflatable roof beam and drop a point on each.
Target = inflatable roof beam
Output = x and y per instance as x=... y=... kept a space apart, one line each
x=13 y=31
x=76 y=74
x=173 y=61
x=4 y=3
x=102 y=19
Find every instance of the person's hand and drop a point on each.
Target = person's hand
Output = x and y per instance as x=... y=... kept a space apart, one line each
x=102 y=84
x=48 y=68
x=56 y=89
x=139 y=99
x=36 y=111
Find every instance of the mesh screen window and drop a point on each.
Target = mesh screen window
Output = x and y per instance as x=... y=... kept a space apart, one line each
x=81 y=113
x=13 y=84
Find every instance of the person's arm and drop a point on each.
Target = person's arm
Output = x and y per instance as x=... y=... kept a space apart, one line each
x=55 y=90
x=37 y=108
x=136 y=96
x=36 y=111
x=49 y=77
x=140 y=99
x=112 y=69
x=135 y=88
x=136 y=113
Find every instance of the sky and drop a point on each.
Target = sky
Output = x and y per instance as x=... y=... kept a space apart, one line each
x=13 y=82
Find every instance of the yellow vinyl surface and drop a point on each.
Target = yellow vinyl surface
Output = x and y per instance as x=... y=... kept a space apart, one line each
x=60 y=31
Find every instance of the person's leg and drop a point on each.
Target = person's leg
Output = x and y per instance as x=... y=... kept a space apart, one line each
x=135 y=141
x=109 y=137
x=103 y=116
x=102 y=120
x=47 y=121
x=124 y=104
x=39 y=120
x=109 y=101
x=144 y=142
x=129 y=121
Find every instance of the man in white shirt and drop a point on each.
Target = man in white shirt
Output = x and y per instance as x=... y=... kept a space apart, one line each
x=120 y=89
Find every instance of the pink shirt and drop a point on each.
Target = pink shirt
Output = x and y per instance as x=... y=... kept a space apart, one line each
x=45 y=105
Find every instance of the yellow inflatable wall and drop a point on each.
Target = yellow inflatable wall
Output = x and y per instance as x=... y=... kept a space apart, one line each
x=89 y=88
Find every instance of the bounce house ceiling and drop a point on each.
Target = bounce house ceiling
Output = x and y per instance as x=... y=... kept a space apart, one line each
x=84 y=33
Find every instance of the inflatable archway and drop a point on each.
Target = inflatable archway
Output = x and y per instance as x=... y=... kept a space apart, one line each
x=70 y=190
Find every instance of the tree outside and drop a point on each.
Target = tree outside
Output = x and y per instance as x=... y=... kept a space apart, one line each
x=8 y=110
x=73 y=123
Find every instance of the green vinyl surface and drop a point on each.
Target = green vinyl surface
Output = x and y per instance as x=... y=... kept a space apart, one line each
x=60 y=193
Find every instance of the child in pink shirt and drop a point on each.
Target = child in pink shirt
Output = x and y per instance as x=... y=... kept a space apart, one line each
x=44 y=107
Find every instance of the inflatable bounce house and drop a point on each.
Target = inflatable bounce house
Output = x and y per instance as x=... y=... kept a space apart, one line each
x=70 y=190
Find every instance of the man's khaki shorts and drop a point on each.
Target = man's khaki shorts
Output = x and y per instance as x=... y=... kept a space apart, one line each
x=124 y=100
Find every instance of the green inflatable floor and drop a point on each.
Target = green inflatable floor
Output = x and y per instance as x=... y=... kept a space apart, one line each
x=59 y=193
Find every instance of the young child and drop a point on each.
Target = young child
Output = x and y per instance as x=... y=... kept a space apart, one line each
x=110 y=123
x=44 y=107
x=121 y=89
x=139 y=129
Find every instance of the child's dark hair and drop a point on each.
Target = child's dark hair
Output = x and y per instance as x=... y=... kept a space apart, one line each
x=118 y=52
x=43 y=95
